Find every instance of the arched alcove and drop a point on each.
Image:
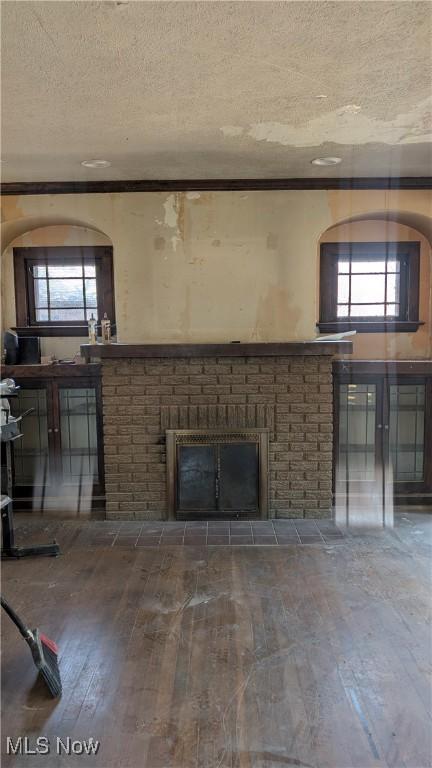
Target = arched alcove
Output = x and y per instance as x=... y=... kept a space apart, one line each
x=15 y=228
x=49 y=232
x=416 y=221
x=395 y=226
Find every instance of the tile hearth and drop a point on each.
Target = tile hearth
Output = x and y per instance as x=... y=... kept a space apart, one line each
x=225 y=533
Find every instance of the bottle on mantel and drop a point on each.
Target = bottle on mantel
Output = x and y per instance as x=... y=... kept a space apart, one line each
x=106 y=329
x=92 y=332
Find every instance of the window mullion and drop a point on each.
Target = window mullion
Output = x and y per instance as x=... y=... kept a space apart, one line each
x=48 y=298
x=385 y=282
x=403 y=282
x=349 y=281
x=84 y=289
x=31 y=310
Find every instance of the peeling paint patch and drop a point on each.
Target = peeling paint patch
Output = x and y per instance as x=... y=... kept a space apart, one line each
x=174 y=217
x=232 y=130
x=348 y=125
x=170 y=212
x=193 y=195
x=350 y=109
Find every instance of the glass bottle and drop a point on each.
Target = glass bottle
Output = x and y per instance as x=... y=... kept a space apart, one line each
x=92 y=333
x=106 y=329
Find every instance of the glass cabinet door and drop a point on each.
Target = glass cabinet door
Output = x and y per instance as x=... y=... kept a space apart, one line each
x=407 y=432
x=32 y=454
x=58 y=463
x=359 y=451
x=78 y=443
x=383 y=435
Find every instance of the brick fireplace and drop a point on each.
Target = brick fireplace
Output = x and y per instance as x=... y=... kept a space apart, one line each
x=217 y=473
x=285 y=389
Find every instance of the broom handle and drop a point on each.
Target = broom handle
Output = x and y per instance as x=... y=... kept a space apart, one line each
x=16 y=619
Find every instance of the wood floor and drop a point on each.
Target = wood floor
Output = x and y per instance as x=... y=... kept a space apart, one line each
x=228 y=657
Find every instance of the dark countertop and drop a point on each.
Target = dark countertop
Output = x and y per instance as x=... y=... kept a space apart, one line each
x=258 y=349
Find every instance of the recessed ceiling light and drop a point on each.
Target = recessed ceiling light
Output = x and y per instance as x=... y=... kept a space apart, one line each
x=96 y=163
x=326 y=161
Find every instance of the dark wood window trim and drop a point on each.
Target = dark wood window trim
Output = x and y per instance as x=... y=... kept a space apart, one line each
x=26 y=323
x=408 y=253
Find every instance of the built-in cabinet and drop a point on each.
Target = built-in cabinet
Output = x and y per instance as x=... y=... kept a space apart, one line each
x=58 y=462
x=383 y=430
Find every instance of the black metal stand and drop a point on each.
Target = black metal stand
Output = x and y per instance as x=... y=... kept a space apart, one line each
x=9 y=550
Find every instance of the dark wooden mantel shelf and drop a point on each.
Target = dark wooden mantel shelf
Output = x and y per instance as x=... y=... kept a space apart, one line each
x=270 y=349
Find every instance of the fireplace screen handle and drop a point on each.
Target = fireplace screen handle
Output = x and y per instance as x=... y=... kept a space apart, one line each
x=217 y=474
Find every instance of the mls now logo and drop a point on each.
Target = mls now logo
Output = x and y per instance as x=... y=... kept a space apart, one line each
x=43 y=746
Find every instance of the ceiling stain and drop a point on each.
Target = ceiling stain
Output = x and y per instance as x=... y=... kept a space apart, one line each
x=232 y=130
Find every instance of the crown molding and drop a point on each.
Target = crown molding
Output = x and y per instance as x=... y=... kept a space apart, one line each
x=212 y=185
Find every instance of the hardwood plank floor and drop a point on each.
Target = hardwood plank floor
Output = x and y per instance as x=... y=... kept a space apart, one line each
x=226 y=657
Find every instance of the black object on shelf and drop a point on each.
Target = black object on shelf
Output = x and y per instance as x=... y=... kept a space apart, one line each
x=29 y=350
x=10 y=345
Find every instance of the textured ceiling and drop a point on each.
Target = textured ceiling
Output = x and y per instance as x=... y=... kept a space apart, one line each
x=167 y=90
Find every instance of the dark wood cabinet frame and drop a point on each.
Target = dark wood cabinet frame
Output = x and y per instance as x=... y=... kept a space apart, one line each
x=385 y=373
x=50 y=378
x=408 y=319
x=26 y=323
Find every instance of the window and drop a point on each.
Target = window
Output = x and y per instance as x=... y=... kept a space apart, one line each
x=369 y=287
x=58 y=289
